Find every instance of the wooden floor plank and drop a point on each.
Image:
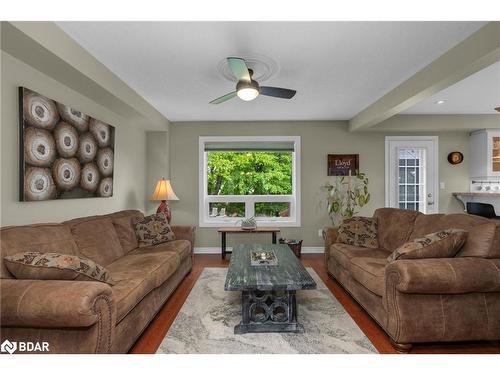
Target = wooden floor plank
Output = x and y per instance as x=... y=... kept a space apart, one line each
x=157 y=329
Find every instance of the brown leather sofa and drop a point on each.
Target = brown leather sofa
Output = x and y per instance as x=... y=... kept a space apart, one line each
x=91 y=316
x=423 y=300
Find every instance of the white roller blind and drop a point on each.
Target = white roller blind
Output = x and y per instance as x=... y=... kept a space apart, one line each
x=250 y=146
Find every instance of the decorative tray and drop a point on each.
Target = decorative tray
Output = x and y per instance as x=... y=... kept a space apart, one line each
x=263 y=258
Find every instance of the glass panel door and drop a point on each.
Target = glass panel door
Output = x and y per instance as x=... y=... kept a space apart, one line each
x=411 y=179
x=411 y=173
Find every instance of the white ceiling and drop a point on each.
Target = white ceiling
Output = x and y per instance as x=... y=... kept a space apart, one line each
x=476 y=94
x=337 y=68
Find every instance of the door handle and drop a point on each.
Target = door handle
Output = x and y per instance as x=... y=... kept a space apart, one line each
x=430 y=202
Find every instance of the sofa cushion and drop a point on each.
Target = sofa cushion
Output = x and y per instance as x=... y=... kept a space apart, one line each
x=479 y=241
x=425 y=224
x=97 y=239
x=155 y=266
x=45 y=238
x=443 y=244
x=125 y=229
x=370 y=272
x=394 y=226
x=359 y=231
x=344 y=253
x=127 y=293
x=461 y=221
x=34 y=265
x=180 y=247
x=495 y=249
x=478 y=237
x=138 y=274
x=153 y=230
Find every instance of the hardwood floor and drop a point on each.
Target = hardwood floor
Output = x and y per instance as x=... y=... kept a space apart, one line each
x=153 y=335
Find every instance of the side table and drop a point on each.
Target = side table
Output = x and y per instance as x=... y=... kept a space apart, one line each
x=224 y=231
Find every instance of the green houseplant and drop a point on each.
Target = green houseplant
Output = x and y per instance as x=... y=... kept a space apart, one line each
x=345 y=196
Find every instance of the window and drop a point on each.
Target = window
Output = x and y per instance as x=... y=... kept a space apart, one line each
x=249 y=176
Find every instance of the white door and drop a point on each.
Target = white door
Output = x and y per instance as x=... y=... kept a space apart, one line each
x=411 y=173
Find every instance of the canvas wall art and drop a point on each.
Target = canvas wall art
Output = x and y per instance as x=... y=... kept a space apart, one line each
x=64 y=153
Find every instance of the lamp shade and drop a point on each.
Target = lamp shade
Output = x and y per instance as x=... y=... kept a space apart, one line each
x=163 y=192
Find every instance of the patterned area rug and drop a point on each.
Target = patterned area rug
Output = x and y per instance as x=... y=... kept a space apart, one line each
x=206 y=320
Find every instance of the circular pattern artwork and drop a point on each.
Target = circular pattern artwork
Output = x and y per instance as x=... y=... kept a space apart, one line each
x=38 y=184
x=101 y=132
x=106 y=187
x=66 y=153
x=39 y=111
x=87 y=149
x=90 y=177
x=39 y=147
x=74 y=117
x=67 y=140
x=105 y=161
x=66 y=173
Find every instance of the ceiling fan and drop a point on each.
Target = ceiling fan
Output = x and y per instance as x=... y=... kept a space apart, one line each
x=247 y=89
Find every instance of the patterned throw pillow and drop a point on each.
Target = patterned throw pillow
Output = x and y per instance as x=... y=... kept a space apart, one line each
x=443 y=244
x=153 y=230
x=359 y=231
x=55 y=266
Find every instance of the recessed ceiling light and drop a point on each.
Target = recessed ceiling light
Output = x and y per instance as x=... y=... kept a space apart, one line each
x=440 y=102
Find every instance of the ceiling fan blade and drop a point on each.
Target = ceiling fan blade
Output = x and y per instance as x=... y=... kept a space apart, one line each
x=223 y=98
x=277 y=92
x=239 y=68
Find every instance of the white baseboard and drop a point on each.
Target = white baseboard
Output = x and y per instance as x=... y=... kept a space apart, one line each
x=217 y=250
x=313 y=250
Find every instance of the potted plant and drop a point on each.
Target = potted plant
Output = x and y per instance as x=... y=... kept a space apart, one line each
x=345 y=196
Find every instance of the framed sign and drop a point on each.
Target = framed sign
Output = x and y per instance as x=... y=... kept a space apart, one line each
x=341 y=165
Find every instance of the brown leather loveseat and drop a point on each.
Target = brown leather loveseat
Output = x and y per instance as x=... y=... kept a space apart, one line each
x=91 y=316
x=424 y=300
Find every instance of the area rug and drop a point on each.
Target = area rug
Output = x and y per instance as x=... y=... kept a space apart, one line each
x=205 y=324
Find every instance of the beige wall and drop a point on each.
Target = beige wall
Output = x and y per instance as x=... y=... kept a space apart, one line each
x=130 y=152
x=157 y=157
x=317 y=140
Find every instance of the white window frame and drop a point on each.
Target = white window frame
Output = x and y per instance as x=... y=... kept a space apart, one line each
x=294 y=199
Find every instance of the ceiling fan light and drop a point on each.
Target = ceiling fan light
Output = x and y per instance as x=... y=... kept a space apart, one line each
x=247 y=94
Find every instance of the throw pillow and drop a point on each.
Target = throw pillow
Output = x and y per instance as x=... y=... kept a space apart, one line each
x=443 y=244
x=359 y=231
x=55 y=266
x=153 y=230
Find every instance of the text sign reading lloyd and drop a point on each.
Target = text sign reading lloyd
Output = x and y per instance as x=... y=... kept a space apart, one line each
x=341 y=165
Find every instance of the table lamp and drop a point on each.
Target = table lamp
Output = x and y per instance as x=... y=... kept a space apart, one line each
x=164 y=193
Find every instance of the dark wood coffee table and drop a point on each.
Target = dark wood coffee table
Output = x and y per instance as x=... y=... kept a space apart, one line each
x=268 y=292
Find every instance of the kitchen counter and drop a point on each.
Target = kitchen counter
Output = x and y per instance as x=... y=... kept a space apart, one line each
x=479 y=196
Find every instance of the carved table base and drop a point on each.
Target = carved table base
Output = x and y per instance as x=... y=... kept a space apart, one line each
x=268 y=311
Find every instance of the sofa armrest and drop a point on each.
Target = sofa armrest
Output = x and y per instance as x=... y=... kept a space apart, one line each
x=444 y=275
x=330 y=236
x=56 y=303
x=184 y=232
